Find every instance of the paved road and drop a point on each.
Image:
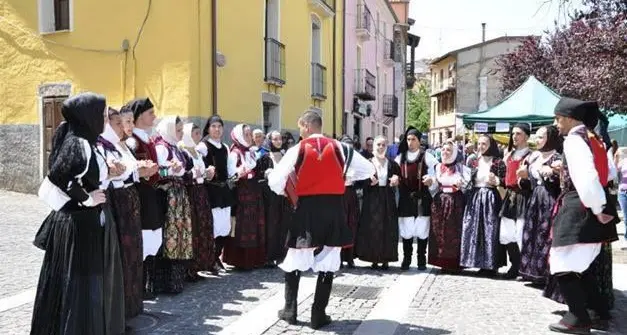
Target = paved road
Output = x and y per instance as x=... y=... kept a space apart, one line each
x=363 y=301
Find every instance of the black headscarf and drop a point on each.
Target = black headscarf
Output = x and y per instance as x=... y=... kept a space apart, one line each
x=346 y=139
x=84 y=118
x=137 y=107
x=403 y=147
x=213 y=119
x=522 y=126
x=553 y=140
x=493 y=148
x=601 y=130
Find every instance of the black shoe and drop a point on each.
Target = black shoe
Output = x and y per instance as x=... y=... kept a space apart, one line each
x=374 y=266
x=408 y=249
x=149 y=295
x=320 y=321
x=350 y=264
x=603 y=325
x=385 y=266
x=562 y=328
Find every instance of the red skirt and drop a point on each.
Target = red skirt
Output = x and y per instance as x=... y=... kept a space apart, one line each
x=246 y=248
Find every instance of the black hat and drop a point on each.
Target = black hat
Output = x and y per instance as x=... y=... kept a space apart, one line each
x=584 y=111
x=137 y=107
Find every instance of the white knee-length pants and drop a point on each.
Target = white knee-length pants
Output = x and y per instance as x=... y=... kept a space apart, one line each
x=328 y=260
x=410 y=227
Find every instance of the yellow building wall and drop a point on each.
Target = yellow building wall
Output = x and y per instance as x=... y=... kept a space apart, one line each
x=241 y=33
x=170 y=57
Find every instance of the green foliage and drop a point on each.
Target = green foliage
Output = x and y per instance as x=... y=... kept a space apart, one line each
x=418 y=107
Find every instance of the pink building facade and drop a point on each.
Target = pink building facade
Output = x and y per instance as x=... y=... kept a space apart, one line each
x=371 y=97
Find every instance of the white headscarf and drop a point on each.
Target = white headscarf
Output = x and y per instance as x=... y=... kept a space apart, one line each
x=453 y=157
x=110 y=135
x=188 y=141
x=167 y=129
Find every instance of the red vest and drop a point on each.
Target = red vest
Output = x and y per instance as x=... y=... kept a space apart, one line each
x=600 y=158
x=319 y=168
x=146 y=151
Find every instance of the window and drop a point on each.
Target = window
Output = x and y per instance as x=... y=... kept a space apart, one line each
x=55 y=15
x=384 y=131
x=272 y=19
x=315 y=40
x=441 y=78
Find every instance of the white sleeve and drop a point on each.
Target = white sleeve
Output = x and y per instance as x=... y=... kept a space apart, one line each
x=583 y=174
x=360 y=168
x=277 y=178
x=398 y=159
x=431 y=162
x=231 y=163
x=613 y=175
x=162 y=160
x=202 y=149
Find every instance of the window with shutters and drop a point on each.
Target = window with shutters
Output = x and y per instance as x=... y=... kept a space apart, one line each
x=55 y=15
x=52 y=117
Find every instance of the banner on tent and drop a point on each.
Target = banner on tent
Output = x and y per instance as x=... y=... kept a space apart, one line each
x=502 y=127
x=481 y=127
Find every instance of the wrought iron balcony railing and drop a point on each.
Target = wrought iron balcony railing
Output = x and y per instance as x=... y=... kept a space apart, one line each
x=275 y=61
x=365 y=84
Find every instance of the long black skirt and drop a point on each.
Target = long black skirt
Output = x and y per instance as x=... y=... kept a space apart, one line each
x=351 y=210
x=126 y=210
x=377 y=232
x=81 y=256
x=319 y=220
x=536 y=241
x=202 y=229
x=480 y=247
x=278 y=215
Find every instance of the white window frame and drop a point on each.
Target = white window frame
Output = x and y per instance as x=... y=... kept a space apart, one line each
x=45 y=9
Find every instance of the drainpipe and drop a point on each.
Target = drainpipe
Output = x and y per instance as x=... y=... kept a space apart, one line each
x=343 y=66
x=334 y=71
x=214 y=52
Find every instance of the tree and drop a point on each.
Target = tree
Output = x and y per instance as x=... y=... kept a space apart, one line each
x=418 y=107
x=585 y=59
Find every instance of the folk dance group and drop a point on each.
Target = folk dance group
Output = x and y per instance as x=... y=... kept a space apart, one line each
x=135 y=215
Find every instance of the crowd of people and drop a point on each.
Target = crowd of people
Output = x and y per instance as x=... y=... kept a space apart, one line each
x=138 y=211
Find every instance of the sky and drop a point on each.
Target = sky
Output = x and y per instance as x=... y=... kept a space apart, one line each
x=446 y=25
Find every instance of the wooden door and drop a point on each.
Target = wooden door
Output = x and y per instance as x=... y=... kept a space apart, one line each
x=51 y=119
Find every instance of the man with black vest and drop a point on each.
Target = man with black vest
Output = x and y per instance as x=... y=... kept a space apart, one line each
x=584 y=220
x=318 y=229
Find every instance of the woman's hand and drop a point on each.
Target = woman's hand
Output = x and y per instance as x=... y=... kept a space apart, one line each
x=394 y=181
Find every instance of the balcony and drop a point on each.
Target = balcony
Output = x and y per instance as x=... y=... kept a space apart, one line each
x=364 y=22
x=323 y=7
x=444 y=86
x=275 y=62
x=318 y=81
x=389 y=52
x=365 y=85
x=390 y=105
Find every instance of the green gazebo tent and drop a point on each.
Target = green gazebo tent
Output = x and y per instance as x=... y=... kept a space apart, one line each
x=532 y=102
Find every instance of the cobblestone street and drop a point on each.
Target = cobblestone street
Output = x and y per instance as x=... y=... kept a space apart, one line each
x=364 y=301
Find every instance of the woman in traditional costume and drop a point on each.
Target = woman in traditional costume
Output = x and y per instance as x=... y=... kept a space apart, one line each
x=351 y=203
x=177 y=231
x=202 y=219
x=77 y=292
x=480 y=247
x=536 y=239
x=215 y=154
x=124 y=199
x=377 y=232
x=278 y=208
x=247 y=248
x=447 y=209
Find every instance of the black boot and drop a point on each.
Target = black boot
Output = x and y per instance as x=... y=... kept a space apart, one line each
x=319 y=318
x=219 y=243
x=513 y=252
x=408 y=249
x=289 y=312
x=149 y=278
x=577 y=320
x=422 y=254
